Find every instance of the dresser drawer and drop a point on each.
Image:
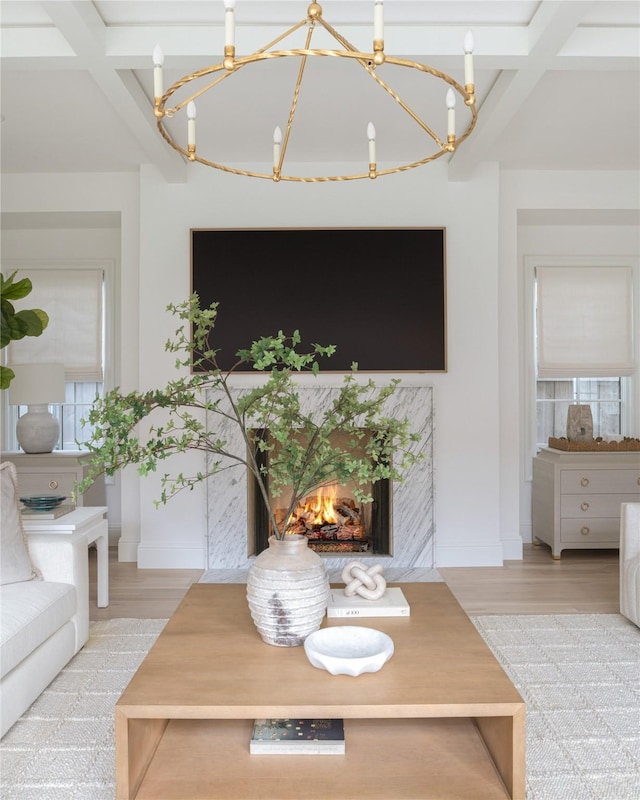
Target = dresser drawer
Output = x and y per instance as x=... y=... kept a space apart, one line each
x=594 y=505
x=49 y=482
x=600 y=481
x=591 y=530
x=56 y=473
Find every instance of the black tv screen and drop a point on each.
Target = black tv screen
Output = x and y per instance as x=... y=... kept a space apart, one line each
x=378 y=294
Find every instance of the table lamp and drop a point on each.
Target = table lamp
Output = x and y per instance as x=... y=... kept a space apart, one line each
x=36 y=386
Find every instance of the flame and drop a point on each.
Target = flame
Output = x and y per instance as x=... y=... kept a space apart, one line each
x=322 y=506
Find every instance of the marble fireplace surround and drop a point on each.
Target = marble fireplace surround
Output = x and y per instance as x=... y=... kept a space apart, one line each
x=412 y=535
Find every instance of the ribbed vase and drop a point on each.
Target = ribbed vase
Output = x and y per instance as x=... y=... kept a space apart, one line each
x=287 y=591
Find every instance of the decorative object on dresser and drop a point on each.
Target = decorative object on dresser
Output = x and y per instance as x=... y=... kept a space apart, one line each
x=598 y=444
x=284 y=447
x=36 y=386
x=579 y=423
x=576 y=497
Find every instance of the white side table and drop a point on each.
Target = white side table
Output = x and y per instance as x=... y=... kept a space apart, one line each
x=91 y=523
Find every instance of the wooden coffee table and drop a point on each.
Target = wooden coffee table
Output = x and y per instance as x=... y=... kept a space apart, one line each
x=440 y=720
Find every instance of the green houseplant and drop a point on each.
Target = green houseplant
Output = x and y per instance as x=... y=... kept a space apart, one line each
x=287 y=584
x=17 y=324
x=299 y=452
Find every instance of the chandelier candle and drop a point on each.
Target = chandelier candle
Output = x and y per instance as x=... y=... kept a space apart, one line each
x=468 y=61
x=229 y=33
x=158 y=60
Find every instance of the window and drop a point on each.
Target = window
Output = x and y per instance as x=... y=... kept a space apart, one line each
x=584 y=321
x=553 y=397
x=583 y=329
x=75 y=299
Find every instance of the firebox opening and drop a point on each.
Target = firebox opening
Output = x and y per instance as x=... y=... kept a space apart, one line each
x=334 y=522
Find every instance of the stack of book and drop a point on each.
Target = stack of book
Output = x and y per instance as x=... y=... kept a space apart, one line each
x=52 y=513
x=393 y=603
x=297 y=737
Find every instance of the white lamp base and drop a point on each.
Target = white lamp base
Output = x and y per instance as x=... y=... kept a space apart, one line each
x=38 y=430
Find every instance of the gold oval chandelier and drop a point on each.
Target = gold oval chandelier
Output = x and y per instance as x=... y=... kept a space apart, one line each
x=231 y=64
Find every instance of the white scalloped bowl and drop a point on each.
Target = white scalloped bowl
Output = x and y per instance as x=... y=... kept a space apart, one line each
x=348 y=649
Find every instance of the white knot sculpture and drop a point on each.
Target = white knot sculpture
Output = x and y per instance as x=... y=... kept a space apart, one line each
x=365 y=581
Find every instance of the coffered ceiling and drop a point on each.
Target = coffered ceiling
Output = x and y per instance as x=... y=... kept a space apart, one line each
x=557 y=82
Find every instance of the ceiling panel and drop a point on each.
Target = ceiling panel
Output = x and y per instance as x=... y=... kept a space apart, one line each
x=556 y=83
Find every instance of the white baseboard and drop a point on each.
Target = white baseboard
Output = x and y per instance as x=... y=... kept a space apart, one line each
x=526 y=532
x=114 y=535
x=127 y=551
x=469 y=556
x=170 y=557
x=512 y=549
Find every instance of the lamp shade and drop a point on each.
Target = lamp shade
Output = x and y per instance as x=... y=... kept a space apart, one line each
x=37 y=384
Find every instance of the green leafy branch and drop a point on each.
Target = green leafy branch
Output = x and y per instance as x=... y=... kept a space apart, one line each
x=199 y=410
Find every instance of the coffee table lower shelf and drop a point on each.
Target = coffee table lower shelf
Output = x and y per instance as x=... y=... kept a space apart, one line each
x=430 y=759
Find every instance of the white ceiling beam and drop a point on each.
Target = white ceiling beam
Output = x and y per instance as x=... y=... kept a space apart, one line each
x=553 y=23
x=84 y=30
x=496 y=46
x=551 y=26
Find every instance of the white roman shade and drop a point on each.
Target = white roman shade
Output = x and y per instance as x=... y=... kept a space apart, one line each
x=584 y=320
x=73 y=300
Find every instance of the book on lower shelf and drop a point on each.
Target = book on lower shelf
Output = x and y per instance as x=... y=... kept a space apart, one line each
x=393 y=603
x=53 y=513
x=297 y=737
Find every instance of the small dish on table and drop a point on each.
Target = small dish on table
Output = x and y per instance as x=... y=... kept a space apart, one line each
x=42 y=502
x=348 y=649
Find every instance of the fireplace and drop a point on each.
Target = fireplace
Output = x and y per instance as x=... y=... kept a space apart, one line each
x=231 y=544
x=332 y=518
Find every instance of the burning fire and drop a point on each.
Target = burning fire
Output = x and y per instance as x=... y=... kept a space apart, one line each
x=321 y=509
x=326 y=517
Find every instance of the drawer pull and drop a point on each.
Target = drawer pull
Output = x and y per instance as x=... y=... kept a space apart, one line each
x=584 y=530
x=584 y=506
x=53 y=484
x=584 y=481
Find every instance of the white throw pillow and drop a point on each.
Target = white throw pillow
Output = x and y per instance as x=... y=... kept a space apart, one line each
x=15 y=563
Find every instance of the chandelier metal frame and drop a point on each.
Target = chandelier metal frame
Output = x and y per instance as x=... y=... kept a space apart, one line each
x=368 y=61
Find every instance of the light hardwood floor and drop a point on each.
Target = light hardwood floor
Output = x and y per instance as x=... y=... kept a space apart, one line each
x=581 y=582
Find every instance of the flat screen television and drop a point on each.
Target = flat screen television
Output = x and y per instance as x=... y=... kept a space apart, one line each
x=378 y=294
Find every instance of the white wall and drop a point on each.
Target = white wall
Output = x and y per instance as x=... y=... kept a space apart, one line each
x=552 y=214
x=466 y=409
x=47 y=206
x=478 y=456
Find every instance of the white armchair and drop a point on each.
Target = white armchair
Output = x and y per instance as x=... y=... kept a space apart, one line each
x=630 y=561
x=44 y=605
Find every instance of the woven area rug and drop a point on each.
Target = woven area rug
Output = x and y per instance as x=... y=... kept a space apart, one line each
x=579 y=675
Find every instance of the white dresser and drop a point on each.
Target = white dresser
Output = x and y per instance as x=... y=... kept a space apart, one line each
x=577 y=495
x=55 y=473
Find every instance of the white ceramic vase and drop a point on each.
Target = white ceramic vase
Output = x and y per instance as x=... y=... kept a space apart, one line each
x=287 y=591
